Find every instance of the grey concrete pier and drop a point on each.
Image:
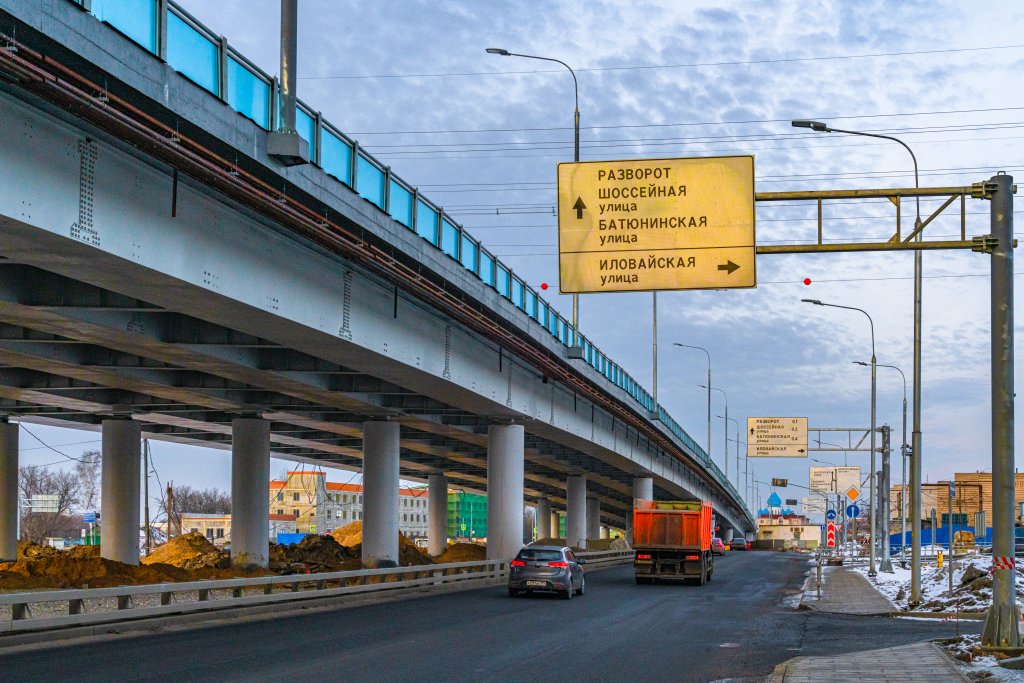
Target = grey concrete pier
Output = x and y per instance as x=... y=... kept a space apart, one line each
x=119 y=490
x=250 y=504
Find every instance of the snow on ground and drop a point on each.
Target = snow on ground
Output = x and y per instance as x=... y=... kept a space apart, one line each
x=972 y=585
x=976 y=666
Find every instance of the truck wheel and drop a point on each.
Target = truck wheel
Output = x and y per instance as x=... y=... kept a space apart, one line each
x=702 y=579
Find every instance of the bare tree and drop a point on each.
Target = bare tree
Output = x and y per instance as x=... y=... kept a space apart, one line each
x=88 y=470
x=188 y=499
x=37 y=525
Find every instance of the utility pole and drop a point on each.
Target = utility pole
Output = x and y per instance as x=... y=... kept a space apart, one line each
x=883 y=496
x=1001 y=626
x=170 y=510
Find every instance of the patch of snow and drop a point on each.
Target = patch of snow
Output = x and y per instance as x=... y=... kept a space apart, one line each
x=974 y=595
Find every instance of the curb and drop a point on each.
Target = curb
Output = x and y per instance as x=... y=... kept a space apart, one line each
x=779 y=672
x=962 y=616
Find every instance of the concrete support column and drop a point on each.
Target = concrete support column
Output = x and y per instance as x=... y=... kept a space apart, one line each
x=8 y=491
x=643 y=489
x=576 y=512
x=544 y=519
x=505 y=471
x=727 y=535
x=604 y=532
x=437 y=514
x=380 y=494
x=556 y=525
x=593 y=518
x=119 y=491
x=250 y=485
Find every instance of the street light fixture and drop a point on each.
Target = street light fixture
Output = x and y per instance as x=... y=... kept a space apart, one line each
x=915 y=446
x=576 y=156
x=874 y=372
x=701 y=348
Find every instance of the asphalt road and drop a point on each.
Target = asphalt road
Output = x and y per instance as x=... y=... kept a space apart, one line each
x=736 y=627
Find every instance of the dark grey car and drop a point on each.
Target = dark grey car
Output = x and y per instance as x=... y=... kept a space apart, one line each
x=546 y=568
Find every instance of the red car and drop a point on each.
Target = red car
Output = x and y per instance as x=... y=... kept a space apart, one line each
x=717 y=547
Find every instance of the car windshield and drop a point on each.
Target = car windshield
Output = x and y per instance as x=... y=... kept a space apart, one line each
x=539 y=555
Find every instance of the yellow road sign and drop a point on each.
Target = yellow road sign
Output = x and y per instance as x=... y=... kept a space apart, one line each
x=853 y=493
x=777 y=437
x=656 y=224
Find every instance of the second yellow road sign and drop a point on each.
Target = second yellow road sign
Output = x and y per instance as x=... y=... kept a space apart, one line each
x=656 y=224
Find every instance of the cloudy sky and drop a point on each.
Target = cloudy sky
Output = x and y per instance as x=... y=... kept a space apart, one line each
x=482 y=134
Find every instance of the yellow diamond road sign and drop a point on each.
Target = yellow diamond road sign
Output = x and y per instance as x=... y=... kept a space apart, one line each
x=853 y=493
x=656 y=224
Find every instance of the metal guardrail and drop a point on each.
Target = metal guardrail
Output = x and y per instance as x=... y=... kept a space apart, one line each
x=88 y=606
x=100 y=605
x=605 y=558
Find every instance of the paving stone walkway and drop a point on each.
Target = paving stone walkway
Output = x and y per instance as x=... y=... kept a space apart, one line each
x=844 y=591
x=920 y=662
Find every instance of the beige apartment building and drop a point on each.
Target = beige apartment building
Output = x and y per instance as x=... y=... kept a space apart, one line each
x=320 y=506
x=217 y=528
x=973 y=493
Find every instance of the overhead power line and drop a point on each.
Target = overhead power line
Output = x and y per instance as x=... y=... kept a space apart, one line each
x=652 y=67
x=687 y=124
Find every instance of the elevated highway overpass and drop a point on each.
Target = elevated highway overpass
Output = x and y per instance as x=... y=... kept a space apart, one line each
x=162 y=275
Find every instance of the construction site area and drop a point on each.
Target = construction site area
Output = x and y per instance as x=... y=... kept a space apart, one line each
x=191 y=557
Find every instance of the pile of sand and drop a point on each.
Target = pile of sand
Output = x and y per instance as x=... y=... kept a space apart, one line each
x=463 y=552
x=351 y=536
x=603 y=544
x=189 y=551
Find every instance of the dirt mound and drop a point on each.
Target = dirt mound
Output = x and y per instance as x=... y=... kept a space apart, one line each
x=314 y=553
x=189 y=551
x=560 y=542
x=971 y=574
x=351 y=536
x=463 y=552
x=66 y=570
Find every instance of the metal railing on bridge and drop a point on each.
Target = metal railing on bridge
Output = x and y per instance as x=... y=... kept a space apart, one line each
x=193 y=50
x=44 y=610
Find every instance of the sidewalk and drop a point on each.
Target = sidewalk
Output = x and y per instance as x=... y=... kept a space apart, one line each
x=917 y=663
x=844 y=592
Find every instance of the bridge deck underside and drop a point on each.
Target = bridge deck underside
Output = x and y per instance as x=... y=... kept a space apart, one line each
x=72 y=353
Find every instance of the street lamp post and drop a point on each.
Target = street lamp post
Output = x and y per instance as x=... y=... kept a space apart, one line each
x=903 y=450
x=576 y=157
x=701 y=348
x=874 y=377
x=725 y=431
x=915 y=446
x=725 y=446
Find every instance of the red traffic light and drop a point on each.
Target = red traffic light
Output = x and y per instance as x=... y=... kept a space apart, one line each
x=807 y=280
x=544 y=285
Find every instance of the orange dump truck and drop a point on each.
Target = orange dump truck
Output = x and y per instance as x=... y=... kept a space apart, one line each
x=672 y=540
